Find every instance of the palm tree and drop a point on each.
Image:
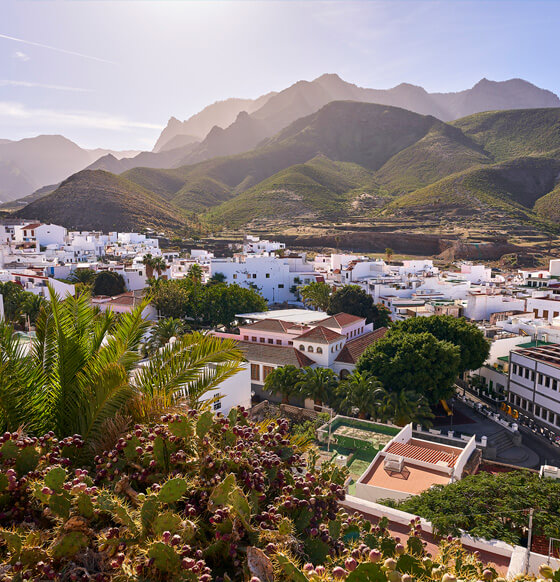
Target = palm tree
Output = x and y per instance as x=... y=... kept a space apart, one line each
x=30 y=308
x=159 y=265
x=317 y=383
x=195 y=272
x=363 y=392
x=163 y=331
x=388 y=254
x=148 y=262
x=317 y=295
x=83 y=370
x=283 y=381
x=85 y=277
x=406 y=406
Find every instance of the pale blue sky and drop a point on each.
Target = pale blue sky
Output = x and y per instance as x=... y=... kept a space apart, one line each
x=110 y=73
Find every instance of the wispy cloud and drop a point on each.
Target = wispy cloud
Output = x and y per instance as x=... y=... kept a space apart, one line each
x=54 y=48
x=20 y=56
x=32 y=84
x=14 y=112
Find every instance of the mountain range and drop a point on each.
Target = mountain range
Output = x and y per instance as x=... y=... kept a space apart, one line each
x=238 y=125
x=31 y=163
x=347 y=161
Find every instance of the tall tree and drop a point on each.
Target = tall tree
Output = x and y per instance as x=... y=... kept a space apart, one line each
x=163 y=331
x=363 y=392
x=354 y=300
x=317 y=384
x=195 y=272
x=474 y=347
x=417 y=362
x=148 y=262
x=406 y=406
x=283 y=381
x=317 y=295
x=108 y=283
x=388 y=254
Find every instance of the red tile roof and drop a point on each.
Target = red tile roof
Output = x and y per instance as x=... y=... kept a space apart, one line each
x=425 y=454
x=32 y=225
x=341 y=320
x=279 y=355
x=320 y=334
x=356 y=347
x=274 y=325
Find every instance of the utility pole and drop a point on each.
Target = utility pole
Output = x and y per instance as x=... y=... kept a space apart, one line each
x=529 y=539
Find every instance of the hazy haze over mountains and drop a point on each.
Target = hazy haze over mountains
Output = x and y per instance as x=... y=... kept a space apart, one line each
x=235 y=126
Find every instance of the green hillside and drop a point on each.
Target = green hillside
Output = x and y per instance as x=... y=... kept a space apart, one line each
x=348 y=160
x=95 y=199
x=513 y=134
x=443 y=151
x=548 y=207
x=320 y=188
x=511 y=188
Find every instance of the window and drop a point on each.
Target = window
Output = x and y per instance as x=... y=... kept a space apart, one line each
x=554 y=385
x=270 y=340
x=319 y=350
x=281 y=286
x=254 y=275
x=218 y=404
x=537 y=410
x=278 y=342
x=267 y=275
x=248 y=276
x=261 y=340
x=253 y=338
x=235 y=275
x=246 y=338
x=309 y=348
x=547 y=381
x=302 y=348
x=290 y=343
x=266 y=371
x=255 y=372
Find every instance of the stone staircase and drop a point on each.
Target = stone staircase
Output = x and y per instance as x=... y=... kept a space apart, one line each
x=507 y=451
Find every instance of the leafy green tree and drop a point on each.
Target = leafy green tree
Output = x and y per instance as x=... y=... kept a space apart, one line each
x=362 y=392
x=317 y=384
x=406 y=406
x=13 y=296
x=221 y=303
x=474 y=347
x=317 y=295
x=159 y=265
x=417 y=362
x=491 y=506
x=108 y=283
x=283 y=381
x=84 y=276
x=388 y=254
x=170 y=298
x=82 y=372
x=354 y=300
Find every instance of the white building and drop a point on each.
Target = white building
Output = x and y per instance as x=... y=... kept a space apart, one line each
x=481 y=305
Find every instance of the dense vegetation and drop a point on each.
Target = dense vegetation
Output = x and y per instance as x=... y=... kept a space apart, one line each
x=204 y=305
x=354 y=300
x=491 y=506
x=20 y=307
x=198 y=498
x=345 y=160
x=99 y=200
x=81 y=374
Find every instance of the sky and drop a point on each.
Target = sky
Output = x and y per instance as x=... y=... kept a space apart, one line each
x=110 y=73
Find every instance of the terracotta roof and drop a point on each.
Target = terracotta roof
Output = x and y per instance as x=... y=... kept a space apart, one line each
x=279 y=355
x=32 y=225
x=356 y=347
x=321 y=335
x=275 y=325
x=340 y=320
x=428 y=455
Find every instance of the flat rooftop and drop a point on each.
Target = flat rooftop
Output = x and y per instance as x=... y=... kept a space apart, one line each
x=548 y=354
x=302 y=316
x=413 y=479
x=426 y=452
